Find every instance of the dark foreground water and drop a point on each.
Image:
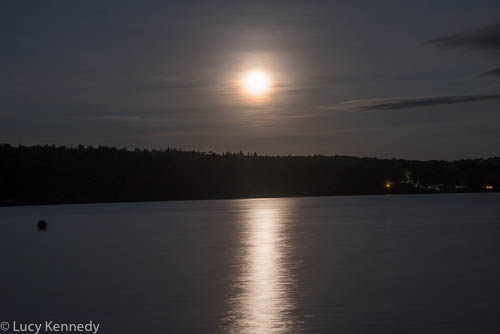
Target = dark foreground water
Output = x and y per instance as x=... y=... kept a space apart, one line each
x=381 y=264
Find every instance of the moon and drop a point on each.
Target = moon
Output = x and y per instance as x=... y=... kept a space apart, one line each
x=256 y=83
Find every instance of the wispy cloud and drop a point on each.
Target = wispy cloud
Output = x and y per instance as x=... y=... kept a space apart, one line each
x=118 y=118
x=483 y=39
x=486 y=38
x=493 y=72
x=407 y=102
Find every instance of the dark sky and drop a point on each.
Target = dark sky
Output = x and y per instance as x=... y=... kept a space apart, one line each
x=410 y=79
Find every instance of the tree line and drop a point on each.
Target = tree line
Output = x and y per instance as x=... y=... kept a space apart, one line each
x=85 y=174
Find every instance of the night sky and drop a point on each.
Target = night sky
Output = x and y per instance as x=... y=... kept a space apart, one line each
x=406 y=79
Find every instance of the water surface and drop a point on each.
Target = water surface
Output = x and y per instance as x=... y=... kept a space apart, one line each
x=367 y=264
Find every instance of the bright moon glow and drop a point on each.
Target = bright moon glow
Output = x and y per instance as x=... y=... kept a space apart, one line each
x=256 y=83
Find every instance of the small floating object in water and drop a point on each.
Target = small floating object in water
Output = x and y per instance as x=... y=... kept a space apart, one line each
x=42 y=225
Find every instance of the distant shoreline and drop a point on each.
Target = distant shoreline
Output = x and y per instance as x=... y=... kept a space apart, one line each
x=250 y=198
x=50 y=175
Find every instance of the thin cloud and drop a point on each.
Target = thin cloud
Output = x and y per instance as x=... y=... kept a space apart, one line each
x=493 y=72
x=408 y=102
x=486 y=38
x=483 y=39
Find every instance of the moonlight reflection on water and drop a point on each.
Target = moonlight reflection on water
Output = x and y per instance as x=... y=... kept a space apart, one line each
x=261 y=298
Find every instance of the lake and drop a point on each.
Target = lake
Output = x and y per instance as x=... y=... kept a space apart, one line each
x=361 y=264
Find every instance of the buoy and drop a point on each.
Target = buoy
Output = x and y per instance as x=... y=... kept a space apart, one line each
x=42 y=225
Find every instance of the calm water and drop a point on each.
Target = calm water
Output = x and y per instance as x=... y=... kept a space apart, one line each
x=381 y=264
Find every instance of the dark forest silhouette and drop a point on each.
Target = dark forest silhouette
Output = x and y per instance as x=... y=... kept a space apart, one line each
x=49 y=175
